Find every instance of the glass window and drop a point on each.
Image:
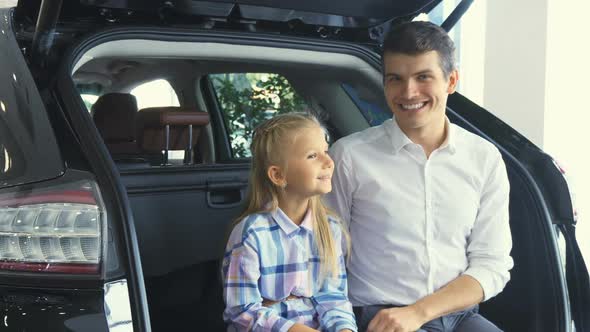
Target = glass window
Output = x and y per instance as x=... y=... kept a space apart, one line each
x=246 y=99
x=154 y=94
x=374 y=114
x=89 y=100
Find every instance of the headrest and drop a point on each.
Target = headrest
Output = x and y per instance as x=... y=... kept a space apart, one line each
x=157 y=117
x=151 y=123
x=114 y=116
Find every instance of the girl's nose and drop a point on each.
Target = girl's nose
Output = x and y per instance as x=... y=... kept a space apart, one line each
x=328 y=162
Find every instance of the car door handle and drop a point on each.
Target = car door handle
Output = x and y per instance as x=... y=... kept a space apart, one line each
x=225 y=195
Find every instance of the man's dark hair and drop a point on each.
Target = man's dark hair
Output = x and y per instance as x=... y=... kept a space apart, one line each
x=419 y=37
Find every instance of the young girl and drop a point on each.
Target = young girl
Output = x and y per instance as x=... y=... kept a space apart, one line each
x=283 y=269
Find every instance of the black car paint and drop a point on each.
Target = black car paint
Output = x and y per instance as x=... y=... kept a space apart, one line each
x=78 y=149
x=33 y=150
x=55 y=310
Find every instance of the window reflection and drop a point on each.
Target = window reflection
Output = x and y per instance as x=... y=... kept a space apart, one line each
x=6 y=161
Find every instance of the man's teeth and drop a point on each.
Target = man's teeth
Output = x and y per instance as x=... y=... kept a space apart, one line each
x=412 y=106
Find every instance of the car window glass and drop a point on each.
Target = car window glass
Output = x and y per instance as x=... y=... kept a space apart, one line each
x=89 y=100
x=373 y=113
x=154 y=94
x=246 y=99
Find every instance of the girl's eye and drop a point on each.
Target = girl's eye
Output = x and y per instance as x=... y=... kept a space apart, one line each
x=312 y=156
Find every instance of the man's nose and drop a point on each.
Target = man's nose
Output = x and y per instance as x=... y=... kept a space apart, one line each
x=409 y=90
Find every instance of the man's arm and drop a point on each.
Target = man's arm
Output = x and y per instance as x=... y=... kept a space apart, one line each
x=459 y=294
x=490 y=241
x=489 y=262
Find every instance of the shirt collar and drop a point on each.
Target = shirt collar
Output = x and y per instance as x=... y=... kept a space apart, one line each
x=400 y=140
x=450 y=140
x=287 y=225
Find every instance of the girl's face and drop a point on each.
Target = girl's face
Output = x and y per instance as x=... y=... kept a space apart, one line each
x=309 y=167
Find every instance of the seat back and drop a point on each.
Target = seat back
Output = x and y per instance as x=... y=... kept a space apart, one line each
x=114 y=117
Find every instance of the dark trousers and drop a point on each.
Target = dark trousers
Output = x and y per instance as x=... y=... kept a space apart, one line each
x=468 y=320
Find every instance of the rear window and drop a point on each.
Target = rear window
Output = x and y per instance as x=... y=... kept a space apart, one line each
x=89 y=100
x=154 y=94
x=373 y=113
x=247 y=99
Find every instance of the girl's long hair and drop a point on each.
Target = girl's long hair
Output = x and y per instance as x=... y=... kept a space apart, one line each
x=268 y=148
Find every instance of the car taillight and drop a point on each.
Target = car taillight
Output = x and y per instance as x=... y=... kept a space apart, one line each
x=52 y=229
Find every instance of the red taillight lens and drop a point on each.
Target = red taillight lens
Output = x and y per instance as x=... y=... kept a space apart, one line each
x=52 y=230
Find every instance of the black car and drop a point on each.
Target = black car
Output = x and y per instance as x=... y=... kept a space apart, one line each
x=113 y=216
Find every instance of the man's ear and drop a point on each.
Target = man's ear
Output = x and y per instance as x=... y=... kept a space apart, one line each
x=276 y=176
x=453 y=80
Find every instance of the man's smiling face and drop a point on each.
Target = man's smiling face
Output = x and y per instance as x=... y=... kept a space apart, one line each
x=416 y=89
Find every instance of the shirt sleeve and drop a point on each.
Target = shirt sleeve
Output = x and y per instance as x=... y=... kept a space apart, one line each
x=490 y=242
x=242 y=297
x=331 y=302
x=340 y=198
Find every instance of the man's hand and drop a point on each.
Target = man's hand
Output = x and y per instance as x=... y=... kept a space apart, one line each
x=404 y=319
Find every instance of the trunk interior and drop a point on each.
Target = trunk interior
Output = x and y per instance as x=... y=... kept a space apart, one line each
x=182 y=213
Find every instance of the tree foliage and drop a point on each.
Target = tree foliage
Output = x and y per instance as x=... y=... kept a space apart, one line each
x=249 y=99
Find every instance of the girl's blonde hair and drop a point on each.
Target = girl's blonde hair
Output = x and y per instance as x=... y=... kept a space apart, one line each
x=269 y=148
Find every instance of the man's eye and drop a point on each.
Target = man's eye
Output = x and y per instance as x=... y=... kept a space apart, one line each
x=423 y=77
x=393 y=78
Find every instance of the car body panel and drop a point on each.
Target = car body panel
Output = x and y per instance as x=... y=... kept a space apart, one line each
x=363 y=12
x=28 y=152
x=71 y=310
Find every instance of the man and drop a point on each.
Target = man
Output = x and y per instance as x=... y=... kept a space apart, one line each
x=426 y=201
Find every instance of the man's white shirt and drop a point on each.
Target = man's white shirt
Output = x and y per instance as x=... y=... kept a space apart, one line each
x=416 y=223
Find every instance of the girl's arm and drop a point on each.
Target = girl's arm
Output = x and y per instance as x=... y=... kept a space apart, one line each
x=241 y=271
x=331 y=302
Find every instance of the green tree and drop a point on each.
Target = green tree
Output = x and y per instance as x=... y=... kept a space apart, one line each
x=248 y=99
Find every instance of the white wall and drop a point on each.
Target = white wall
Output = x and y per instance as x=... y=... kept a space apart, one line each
x=514 y=77
x=535 y=78
x=7 y=3
x=472 y=53
x=567 y=102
